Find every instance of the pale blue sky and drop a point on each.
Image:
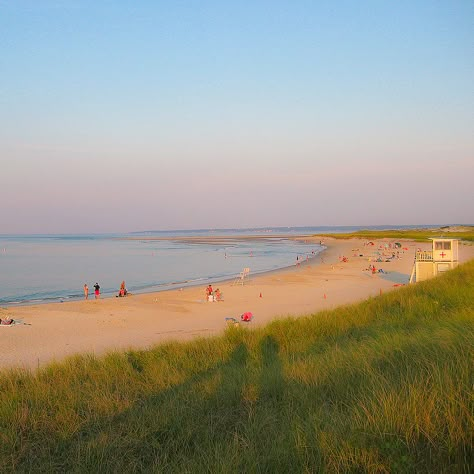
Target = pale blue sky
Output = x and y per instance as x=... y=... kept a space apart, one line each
x=122 y=116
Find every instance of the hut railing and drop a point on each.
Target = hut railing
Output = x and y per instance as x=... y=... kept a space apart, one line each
x=424 y=256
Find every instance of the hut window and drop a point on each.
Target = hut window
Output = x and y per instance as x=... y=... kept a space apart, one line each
x=443 y=267
x=442 y=245
x=447 y=245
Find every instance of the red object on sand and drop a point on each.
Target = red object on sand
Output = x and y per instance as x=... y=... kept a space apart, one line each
x=247 y=316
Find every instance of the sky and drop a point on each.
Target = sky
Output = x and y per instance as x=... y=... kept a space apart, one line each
x=119 y=116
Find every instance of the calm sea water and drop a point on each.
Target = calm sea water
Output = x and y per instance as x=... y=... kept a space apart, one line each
x=44 y=268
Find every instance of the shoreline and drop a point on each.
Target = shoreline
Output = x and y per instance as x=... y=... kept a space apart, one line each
x=172 y=285
x=56 y=331
x=200 y=239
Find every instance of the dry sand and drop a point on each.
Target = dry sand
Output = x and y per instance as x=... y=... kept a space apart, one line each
x=58 y=330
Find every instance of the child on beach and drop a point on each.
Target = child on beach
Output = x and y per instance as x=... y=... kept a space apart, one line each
x=123 y=290
x=86 y=291
x=97 y=291
x=209 y=293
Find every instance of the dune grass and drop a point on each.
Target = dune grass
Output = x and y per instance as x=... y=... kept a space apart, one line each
x=419 y=235
x=382 y=386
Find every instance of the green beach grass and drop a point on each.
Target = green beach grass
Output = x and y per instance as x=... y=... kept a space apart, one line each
x=381 y=386
x=465 y=233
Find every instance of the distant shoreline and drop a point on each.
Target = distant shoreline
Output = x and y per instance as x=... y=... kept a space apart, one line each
x=219 y=238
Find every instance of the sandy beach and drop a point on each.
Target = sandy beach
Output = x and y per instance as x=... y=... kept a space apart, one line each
x=55 y=331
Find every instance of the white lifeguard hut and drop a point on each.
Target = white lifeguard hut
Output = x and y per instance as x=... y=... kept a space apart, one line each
x=429 y=263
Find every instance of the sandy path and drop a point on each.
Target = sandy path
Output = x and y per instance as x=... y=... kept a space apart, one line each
x=139 y=321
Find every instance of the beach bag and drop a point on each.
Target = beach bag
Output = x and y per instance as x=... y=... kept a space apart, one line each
x=247 y=316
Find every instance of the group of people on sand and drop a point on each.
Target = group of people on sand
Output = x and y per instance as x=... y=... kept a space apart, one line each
x=96 y=291
x=122 y=292
x=374 y=270
x=212 y=295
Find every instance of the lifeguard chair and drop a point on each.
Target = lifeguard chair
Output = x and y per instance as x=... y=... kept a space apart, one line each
x=243 y=277
x=443 y=257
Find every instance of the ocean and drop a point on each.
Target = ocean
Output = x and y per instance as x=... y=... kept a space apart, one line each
x=47 y=268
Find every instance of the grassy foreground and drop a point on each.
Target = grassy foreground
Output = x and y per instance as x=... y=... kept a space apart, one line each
x=418 y=235
x=382 y=386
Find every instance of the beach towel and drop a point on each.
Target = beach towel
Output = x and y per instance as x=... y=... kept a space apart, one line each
x=14 y=322
x=232 y=321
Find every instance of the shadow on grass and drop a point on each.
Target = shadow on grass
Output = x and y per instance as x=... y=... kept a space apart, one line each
x=187 y=423
x=207 y=424
x=272 y=383
x=168 y=430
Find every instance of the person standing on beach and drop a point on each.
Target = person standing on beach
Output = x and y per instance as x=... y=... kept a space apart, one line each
x=97 y=291
x=86 y=291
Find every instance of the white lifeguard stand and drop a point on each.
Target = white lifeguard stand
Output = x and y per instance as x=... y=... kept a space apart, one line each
x=243 y=277
x=429 y=263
